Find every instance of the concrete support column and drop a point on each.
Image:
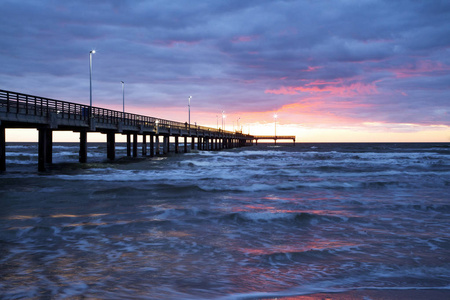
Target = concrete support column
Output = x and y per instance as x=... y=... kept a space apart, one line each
x=2 y=149
x=185 y=144
x=151 y=146
x=192 y=143
x=166 y=144
x=49 y=145
x=111 y=145
x=144 y=145
x=42 y=149
x=128 y=144
x=135 y=142
x=157 y=145
x=199 y=143
x=83 y=147
x=176 y=144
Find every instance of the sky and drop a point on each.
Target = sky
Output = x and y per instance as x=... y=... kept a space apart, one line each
x=332 y=71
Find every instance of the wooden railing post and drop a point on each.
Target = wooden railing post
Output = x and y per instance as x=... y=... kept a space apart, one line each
x=17 y=103
x=7 y=102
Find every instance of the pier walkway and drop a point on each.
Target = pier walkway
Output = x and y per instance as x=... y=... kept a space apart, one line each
x=274 y=137
x=19 y=110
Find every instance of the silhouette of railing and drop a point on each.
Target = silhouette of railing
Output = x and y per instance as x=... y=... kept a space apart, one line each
x=23 y=104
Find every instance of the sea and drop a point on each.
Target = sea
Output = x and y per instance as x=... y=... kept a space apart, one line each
x=257 y=222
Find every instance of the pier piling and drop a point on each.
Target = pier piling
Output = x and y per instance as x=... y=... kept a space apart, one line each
x=152 y=146
x=83 y=147
x=42 y=149
x=177 y=149
x=158 y=151
x=2 y=149
x=144 y=145
x=135 y=144
x=111 y=145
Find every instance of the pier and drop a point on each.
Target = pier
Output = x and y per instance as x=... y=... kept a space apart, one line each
x=274 y=137
x=19 y=110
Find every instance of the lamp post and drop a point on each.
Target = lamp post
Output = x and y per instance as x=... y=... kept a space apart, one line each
x=123 y=97
x=223 y=120
x=238 y=123
x=275 y=116
x=90 y=81
x=189 y=107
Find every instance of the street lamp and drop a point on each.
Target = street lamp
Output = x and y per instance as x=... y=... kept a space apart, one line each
x=189 y=106
x=90 y=80
x=157 y=129
x=275 y=116
x=223 y=120
x=123 y=97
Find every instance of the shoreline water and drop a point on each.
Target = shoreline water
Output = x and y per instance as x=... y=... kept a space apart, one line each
x=260 y=222
x=374 y=294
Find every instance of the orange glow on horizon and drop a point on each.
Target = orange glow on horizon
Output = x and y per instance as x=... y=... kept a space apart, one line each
x=314 y=119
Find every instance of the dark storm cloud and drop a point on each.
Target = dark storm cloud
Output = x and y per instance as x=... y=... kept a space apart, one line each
x=243 y=55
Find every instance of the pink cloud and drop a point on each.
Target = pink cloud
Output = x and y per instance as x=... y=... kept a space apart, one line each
x=311 y=69
x=420 y=68
x=173 y=43
x=337 y=88
x=244 y=39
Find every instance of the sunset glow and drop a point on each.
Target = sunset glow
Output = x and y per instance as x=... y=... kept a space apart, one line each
x=330 y=77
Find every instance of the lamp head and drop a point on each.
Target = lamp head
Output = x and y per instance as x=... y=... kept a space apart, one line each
x=92 y=51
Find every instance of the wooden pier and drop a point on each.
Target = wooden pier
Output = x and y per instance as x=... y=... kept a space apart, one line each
x=274 y=137
x=47 y=115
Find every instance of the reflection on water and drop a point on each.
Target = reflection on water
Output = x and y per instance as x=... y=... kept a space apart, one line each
x=216 y=224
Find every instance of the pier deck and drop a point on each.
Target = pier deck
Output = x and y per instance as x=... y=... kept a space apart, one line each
x=19 y=110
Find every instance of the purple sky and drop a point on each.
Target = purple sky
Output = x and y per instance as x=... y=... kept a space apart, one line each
x=340 y=63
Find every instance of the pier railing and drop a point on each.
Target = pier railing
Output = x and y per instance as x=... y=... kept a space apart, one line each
x=18 y=103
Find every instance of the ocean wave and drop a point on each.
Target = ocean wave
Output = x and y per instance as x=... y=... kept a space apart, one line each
x=420 y=207
x=300 y=218
x=297 y=256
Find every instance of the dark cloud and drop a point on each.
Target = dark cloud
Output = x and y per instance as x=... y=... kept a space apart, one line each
x=389 y=55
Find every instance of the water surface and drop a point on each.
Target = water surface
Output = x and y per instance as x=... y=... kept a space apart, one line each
x=259 y=221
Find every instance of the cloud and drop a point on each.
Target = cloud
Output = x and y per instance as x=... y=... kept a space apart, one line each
x=375 y=61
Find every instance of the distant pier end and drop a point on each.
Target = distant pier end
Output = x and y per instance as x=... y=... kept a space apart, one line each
x=274 y=137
